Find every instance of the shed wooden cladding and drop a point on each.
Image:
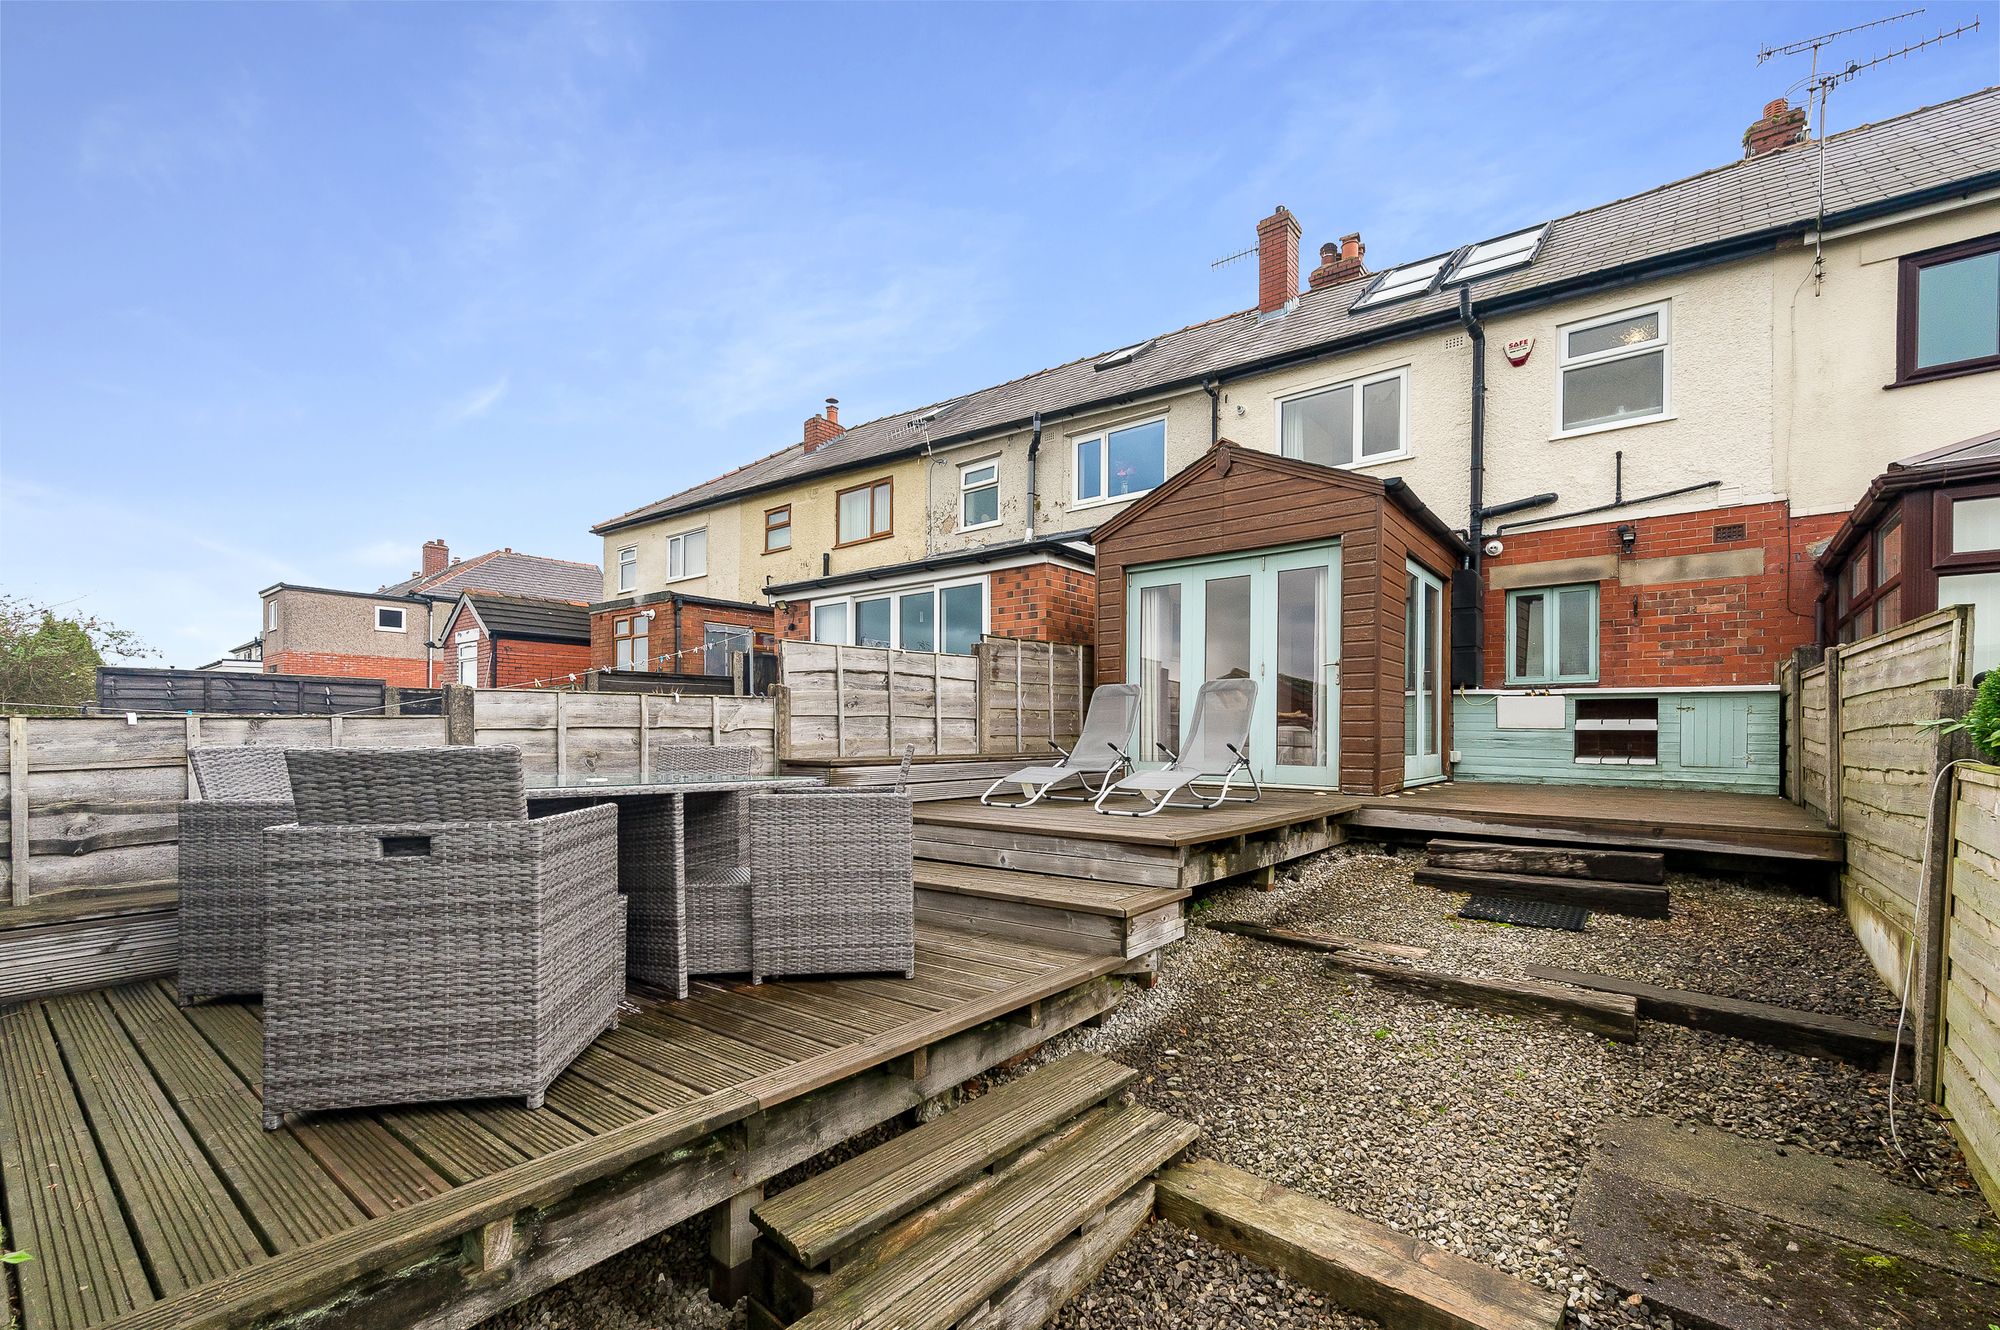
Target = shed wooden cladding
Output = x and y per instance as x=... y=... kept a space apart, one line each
x=1235 y=501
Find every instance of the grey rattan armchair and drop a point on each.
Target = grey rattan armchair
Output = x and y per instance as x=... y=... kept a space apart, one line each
x=418 y=954
x=243 y=791
x=832 y=887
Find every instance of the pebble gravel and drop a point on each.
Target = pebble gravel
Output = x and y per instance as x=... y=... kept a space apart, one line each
x=1462 y=1127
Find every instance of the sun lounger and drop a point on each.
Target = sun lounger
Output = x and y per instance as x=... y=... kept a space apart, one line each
x=1217 y=749
x=1101 y=751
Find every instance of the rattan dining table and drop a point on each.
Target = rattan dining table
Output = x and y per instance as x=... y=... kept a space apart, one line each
x=683 y=866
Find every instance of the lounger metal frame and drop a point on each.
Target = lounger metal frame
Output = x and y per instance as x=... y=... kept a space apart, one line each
x=1165 y=799
x=1046 y=789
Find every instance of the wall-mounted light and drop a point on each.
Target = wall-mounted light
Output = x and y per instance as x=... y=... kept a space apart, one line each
x=1628 y=537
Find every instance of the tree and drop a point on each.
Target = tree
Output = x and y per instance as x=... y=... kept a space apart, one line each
x=49 y=661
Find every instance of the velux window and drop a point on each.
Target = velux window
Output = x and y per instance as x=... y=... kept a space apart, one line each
x=1615 y=370
x=863 y=513
x=687 y=554
x=1349 y=424
x=1120 y=463
x=1552 y=635
x=1948 y=311
x=979 y=494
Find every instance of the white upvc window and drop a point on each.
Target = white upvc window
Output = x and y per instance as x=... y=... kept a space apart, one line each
x=948 y=617
x=628 y=568
x=1119 y=463
x=270 y=614
x=979 y=494
x=1355 y=423
x=687 y=554
x=468 y=663
x=1616 y=370
x=391 y=619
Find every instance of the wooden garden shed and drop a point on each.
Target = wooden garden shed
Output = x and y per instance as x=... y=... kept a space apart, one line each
x=1329 y=587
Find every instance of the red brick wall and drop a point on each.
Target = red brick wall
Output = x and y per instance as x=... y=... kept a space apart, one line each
x=1043 y=602
x=694 y=623
x=397 y=671
x=523 y=663
x=1717 y=631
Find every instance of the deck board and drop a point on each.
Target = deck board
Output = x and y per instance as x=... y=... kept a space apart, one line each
x=146 y=1117
x=1177 y=828
x=1696 y=821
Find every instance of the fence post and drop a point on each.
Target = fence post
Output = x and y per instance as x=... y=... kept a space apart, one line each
x=392 y=701
x=839 y=701
x=17 y=804
x=1833 y=773
x=1933 y=892
x=645 y=738
x=562 y=739
x=982 y=698
x=781 y=722
x=458 y=713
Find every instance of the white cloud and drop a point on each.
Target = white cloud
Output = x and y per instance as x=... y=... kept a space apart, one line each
x=476 y=403
x=156 y=146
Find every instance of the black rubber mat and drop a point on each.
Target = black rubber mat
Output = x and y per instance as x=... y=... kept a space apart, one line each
x=1528 y=914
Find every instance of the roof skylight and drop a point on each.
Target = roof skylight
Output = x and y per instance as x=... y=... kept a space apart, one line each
x=1125 y=355
x=1412 y=279
x=1491 y=256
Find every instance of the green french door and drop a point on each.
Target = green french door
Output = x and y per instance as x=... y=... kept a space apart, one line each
x=1272 y=617
x=1423 y=677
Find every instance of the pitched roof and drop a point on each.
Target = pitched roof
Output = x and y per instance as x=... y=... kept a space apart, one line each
x=509 y=572
x=1718 y=214
x=529 y=616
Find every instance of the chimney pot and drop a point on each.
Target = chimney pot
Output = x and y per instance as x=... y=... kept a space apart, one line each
x=1339 y=263
x=1277 y=260
x=820 y=430
x=1782 y=125
x=437 y=557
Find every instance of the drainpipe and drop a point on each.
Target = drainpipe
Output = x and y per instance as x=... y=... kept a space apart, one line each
x=674 y=661
x=1213 y=387
x=1468 y=591
x=1034 y=451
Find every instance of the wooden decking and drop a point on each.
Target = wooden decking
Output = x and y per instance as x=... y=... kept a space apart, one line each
x=133 y=1167
x=1751 y=827
x=1185 y=848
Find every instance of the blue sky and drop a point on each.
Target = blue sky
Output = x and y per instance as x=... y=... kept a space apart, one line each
x=287 y=289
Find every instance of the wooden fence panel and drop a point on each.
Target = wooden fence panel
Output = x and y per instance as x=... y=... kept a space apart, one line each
x=577 y=735
x=1812 y=738
x=1967 y=1069
x=867 y=702
x=1031 y=694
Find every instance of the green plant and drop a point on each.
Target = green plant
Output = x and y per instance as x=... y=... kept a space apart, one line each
x=1982 y=723
x=49 y=661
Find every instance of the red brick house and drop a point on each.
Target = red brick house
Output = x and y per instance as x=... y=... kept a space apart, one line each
x=499 y=641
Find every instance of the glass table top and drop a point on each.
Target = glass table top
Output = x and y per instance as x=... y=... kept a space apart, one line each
x=575 y=783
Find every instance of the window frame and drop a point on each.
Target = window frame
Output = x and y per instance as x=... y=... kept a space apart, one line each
x=1663 y=345
x=894 y=595
x=1403 y=450
x=271 y=615
x=771 y=527
x=627 y=568
x=1102 y=437
x=1858 y=609
x=876 y=532
x=402 y=613
x=679 y=540
x=1908 y=270
x=462 y=659
x=966 y=489
x=1551 y=677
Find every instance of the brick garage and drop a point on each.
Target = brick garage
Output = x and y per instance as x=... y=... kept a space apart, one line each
x=396 y=671
x=517 y=641
x=1692 y=605
x=1043 y=602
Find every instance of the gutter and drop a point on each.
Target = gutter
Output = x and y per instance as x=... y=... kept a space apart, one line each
x=1604 y=279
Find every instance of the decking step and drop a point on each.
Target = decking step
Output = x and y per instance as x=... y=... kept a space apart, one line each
x=823 y=1218
x=1117 y=899
x=1395 y=1278
x=1648 y=867
x=982 y=1248
x=1614 y=1016
x=1642 y=902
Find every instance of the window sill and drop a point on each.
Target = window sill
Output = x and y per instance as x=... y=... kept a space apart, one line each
x=865 y=540
x=782 y=549
x=1952 y=372
x=686 y=577
x=1589 y=430
x=1116 y=498
x=983 y=526
x=1545 y=685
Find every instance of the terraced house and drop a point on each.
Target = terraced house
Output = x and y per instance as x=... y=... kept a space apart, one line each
x=1645 y=418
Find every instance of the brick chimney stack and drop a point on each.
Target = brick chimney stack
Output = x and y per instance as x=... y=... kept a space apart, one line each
x=1339 y=263
x=437 y=557
x=824 y=428
x=1782 y=126
x=1277 y=261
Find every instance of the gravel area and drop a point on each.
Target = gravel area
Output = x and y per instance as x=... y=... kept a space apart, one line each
x=1465 y=1128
